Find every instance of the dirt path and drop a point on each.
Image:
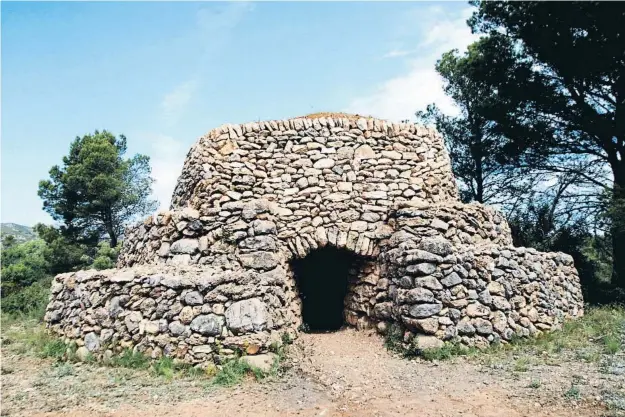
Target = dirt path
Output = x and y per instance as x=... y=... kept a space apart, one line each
x=346 y=373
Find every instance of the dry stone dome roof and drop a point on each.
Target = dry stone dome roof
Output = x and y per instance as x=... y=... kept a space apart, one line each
x=217 y=268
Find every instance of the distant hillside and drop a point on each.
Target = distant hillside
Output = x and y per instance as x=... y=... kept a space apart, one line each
x=22 y=233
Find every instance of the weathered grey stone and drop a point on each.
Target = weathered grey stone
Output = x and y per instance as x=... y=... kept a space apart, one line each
x=175 y=282
x=427 y=342
x=247 y=316
x=495 y=288
x=425 y=310
x=115 y=306
x=187 y=314
x=500 y=303
x=163 y=250
x=465 y=328
x=264 y=362
x=182 y=246
x=123 y=276
x=324 y=163
x=258 y=260
x=417 y=255
x=428 y=282
x=477 y=310
x=417 y=295
x=263 y=227
x=427 y=326
x=436 y=245
x=193 y=298
x=482 y=326
x=176 y=328
x=439 y=224
x=92 y=342
x=83 y=354
x=208 y=324
x=451 y=280
x=421 y=269
x=364 y=152
x=485 y=298
x=132 y=321
x=258 y=243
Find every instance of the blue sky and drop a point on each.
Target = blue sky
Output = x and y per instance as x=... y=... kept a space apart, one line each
x=165 y=73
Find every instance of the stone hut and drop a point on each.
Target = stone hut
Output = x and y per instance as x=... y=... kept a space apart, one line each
x=320 y=221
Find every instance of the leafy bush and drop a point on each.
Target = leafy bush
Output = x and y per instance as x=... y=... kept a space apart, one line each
x=131 y=359
x=29 y=302
x=22 y=265
x=105 y=256
x=61 y=254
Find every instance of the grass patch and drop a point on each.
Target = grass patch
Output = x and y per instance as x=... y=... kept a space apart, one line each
x=234 y=371
x=30 y=337
x=164 y=367
x=522 y=365
x=534 y=384
x=573 y=393
x=63 y=369
x=590 y=337
x=131 y=359
x=597 y=330
x=448 y=351
x=612 y=344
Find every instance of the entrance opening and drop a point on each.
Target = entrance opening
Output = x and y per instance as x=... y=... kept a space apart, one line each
x=322 y=278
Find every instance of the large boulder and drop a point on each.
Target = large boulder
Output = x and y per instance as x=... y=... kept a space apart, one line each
x=185 y=246
x=208 y=324
x=247 y=316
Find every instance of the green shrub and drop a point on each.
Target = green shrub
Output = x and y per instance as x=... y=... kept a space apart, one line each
x=393 y=340
x=53 y=348
x=131 y=359
x=164 y=367
x=105 y=256
x=29 y=302
x=447 y=351
x=573 y=393
x=233 y=372
x=22 y=265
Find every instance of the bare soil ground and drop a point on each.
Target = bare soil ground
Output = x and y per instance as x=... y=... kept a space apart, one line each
x=345 y=373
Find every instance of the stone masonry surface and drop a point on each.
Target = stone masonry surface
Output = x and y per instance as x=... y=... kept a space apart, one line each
x=213 y=274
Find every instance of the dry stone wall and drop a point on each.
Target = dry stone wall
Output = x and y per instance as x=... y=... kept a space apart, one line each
x=213 y=273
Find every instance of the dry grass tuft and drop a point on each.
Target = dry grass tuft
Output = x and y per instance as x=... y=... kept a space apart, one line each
x=333 y=114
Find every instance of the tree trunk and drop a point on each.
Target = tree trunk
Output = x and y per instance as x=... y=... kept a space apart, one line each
x=618 y=228
x=110 y=230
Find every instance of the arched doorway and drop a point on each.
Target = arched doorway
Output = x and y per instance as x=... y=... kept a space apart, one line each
x=323 y=279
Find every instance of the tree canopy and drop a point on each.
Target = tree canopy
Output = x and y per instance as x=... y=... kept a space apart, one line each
x=96 y=191
x=473 y=140
x=558 y=72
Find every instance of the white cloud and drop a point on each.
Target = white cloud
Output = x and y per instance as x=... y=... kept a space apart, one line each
x=166 y=157
x=394 y=53
x=176 y=101
x=400 y=97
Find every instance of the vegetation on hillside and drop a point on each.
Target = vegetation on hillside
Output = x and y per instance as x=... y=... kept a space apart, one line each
x=19 y=233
